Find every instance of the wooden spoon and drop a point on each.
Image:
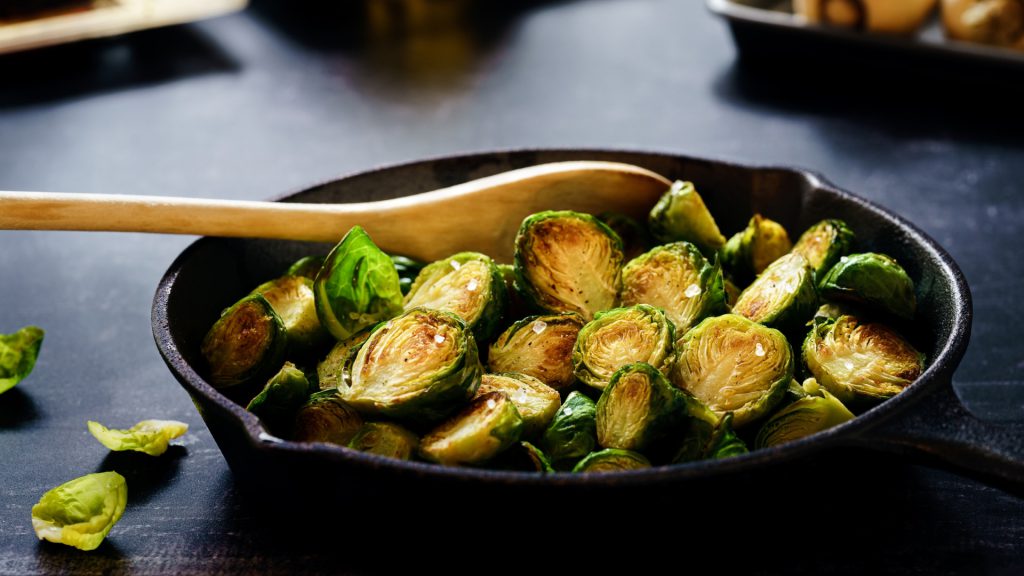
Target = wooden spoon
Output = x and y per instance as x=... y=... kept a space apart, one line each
x=481 y=215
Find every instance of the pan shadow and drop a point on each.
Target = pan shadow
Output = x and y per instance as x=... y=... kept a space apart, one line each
x=146 y=475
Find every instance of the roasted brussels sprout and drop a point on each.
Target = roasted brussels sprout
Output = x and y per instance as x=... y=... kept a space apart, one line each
x=823 y=244
x=540 y=461
x=385 y=439
x=487 y=426
x=325 y=417
x=536 y=402
x=680 y=214
x=331 y=370
x=539 y=346
x=307 y=267
x=247 y=343
x=749 y=252
x=568 y=262
x=467 y=284
x=621 y=336
x=611 y=460
x=808 y=415
x=573 y=432
x=149 y=436
x=18 y=353
x=734 y=365
x=281 y=398
x=782 y=297
x=678 y=279
x=874 y=280
x=860 y=362
x=81 y=512
x=292 y=299
x=724 y=442
x=997 y=22
x=698 y=430
x=885 y=16
x=638 y=409
x=357 y=287
x=635 y=238
x=420 y=366
x=408 y=269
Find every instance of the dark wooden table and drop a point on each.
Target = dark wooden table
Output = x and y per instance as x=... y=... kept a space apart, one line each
x=289 y=93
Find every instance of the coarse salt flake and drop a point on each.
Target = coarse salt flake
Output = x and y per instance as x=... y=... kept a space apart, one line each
x=539 y=326
x=439 y=338
x=692 y=290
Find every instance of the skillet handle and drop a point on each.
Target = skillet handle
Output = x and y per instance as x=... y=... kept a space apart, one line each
x=938 y=430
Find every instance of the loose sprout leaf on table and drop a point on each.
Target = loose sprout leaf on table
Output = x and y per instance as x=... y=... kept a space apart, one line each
x=18 y=353
x=149 y=436
x=81 y=512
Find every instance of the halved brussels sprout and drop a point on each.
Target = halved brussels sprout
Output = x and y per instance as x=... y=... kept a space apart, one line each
x=638 y=408
x=536 y=402
x=81 y=512
x=680 y=214
x=782 y=297
x=307 y=267
x=331 y=370
x=860 y=362
x=541 y=463
x=467 y=284
x=246 y=343
x=420 y=366
x=734 y=365
x=698 y=431
x=749 y=252
x=281 y=398
x=573 y=432
x=678 y=279
x=149 y=436
x=408 y=269
x=823 y=244
x=568 y=262
x=325 y=417
x=621 y=336
x=875 y=280
x=635 y=238
x=385 y=439
x=808 y=415
x=539 y=346
x=292 y=299
x=357 y=287
x=489 y=425
x=611 y=460
x=18 y=353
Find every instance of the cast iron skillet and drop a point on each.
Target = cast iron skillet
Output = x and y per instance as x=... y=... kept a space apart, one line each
x=925 y=421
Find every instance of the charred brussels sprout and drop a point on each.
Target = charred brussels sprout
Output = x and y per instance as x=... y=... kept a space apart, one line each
x=18 y=353
x=823 y=244
x=149 y=436
x=325 y=417
x=468 y=285
x=357 y=287
x=246 y=343
x=536 y=401
x=420 y=366
x=568 y=262
x=540 y=461
x=307 y=267
x=408 y=269
x=281 y=398
x=782 y=297
x=680 y=214
x=860 y=362
x=678 y=279
x=638 y=408
x=539 y=346
x=874 y=280
x=734 y=365
x=808 y=415
x=81 y=512
x=572 y=434
x=635 y=238
x=749 y=252
x=292 y=299
x=385 y=439
x=487 y=426
x=621 y=336
x=331 y=370
x=611 y=460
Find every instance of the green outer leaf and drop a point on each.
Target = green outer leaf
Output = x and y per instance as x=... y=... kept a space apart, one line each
x=872 y=279
x=281 y=398
x=724 y=442
x=573 y=432
x=808 y=415
x=385 y=439
x=539 y=459
x=232 y=362
x=81 y=512
x=680 y=214
x=611 y=460
x=823 y=244
x=18 y=353
x=659 y=352
x=618 y=426
x=493 y=292
x=357 y=287
x=149 y=436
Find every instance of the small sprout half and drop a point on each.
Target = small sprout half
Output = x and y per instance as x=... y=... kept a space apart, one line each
x=611 y=460
x=622 y=336
x=860 y=362
x=281 y=398
x=678 y=279
x=248 y=342
x=536 y=402
x=149 y=436
x=292 y=299
x=572 y=434
x=420 y=366
x=638 y=408
x=734 y=365
x=357 y=287
x=325 y=417
x=568 y=262
x=307 y=267
x=823 y=244
x=468 y=285
x=782 y=297
x=874 y=280
x=331 y=371
x=750 y=251
x=808 y=415
x=680 y=214
x=539 y=346
x=489 y=425
x=18 y=353
x=385 y=439
x=81 y=512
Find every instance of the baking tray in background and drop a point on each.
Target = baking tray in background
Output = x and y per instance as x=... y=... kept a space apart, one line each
x=774 y=30
x=99 y=18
